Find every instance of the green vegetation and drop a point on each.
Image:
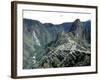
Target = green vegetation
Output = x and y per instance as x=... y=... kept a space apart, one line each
x=51 y=46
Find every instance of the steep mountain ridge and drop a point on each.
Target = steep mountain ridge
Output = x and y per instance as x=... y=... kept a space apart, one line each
x=62 y=45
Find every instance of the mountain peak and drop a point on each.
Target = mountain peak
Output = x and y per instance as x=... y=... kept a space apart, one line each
x=77 y=28
x=76 y=25
x=78 y=20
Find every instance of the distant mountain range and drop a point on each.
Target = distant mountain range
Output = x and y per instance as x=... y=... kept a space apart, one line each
x=56 y=45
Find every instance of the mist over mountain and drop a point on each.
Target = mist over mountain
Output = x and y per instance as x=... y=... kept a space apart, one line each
x=48 y=45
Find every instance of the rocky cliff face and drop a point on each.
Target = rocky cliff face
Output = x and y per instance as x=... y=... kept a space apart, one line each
x=63 y=45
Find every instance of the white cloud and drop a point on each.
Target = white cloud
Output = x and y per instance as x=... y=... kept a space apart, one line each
x=55 y=17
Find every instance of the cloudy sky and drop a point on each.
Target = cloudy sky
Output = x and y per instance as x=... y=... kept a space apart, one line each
x=55 y=17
